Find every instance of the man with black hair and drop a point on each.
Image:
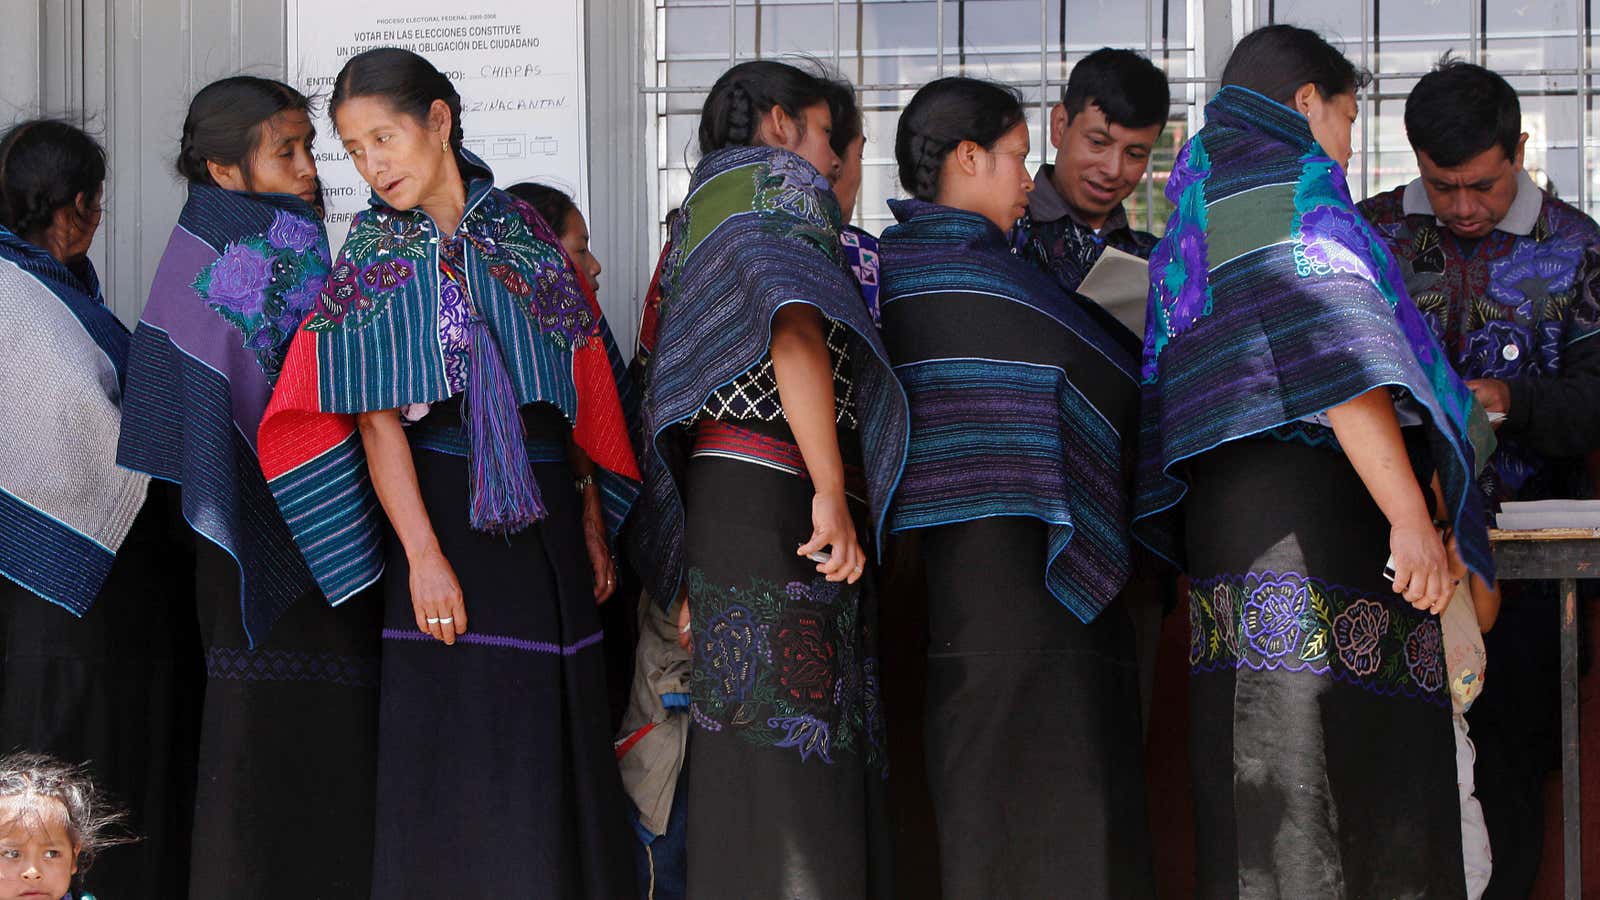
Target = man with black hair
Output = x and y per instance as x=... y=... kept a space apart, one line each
x=1508 y=278
x=1104 y=130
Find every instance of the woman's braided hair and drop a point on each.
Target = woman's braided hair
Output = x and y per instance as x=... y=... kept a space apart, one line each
x=45 y=165
x=944 y=113
x=732 y=113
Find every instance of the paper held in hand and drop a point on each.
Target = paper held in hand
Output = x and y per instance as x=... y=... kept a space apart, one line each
x=1120 y=283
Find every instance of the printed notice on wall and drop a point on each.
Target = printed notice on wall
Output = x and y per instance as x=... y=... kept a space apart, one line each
x=517 y=65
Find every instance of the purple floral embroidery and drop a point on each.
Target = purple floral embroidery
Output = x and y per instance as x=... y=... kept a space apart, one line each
x=1425 y=656
x=1329 y=238
x=1275 y=616
x=731 y=643
x=1486 y=349
x=807 y=734
x=292 y=233
x=1552 y=265
x=239 y=280
x=1358 y=633
x=454 y=341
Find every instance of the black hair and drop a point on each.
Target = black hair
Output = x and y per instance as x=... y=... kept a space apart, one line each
x=225 y=120
x=732 y=113
x=45 y=165
x=407 y=81
x=92 y=822
x=1275 y=61
x=944 y=113
x=845 y=109
x=1459 y=110
x=1128 y=88
x=552 y=204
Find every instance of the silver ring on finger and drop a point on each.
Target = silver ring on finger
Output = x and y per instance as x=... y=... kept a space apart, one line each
x=446 y=620
x=432 y=620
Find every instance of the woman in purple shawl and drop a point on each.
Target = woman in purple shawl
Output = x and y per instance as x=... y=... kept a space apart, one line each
x=240 y=271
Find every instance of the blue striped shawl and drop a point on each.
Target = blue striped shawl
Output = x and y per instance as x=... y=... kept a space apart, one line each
x=759 y=230
x=1021 y=403
x=239 y=274
x=65 y=506
x=1273 y=300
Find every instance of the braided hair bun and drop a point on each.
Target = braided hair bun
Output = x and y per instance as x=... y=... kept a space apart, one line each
x=46 y=165
x=944 y=113
x=732 y=113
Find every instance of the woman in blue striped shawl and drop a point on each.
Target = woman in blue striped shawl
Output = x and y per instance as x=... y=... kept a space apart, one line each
x=95 y=625
x=1021 y=407
x=774 y=434
x=241 y=269
x=1286 y=377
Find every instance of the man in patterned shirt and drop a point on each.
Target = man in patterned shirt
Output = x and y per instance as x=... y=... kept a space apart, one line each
x=1111 y=113
x=1104 y=129
x=1506 y=275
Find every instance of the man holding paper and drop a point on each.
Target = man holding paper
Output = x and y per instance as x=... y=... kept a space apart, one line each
x=1506 y=276
x=1104 y=129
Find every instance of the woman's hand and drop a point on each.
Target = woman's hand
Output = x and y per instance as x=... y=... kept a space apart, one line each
x=436 y=597
x=1422 y=567
x=685 y=630
x=594 y=540
x=832 y=527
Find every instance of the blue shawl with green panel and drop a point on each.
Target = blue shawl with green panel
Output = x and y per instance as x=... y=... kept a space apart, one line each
x=758 y=230
x=1272 y=300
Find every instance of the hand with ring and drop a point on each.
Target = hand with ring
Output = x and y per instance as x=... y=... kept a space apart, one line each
x=436 y=598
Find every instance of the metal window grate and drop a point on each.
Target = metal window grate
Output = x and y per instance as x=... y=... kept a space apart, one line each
x=889 y=48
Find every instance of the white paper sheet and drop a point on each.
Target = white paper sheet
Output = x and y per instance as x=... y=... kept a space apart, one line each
x=1120 y=283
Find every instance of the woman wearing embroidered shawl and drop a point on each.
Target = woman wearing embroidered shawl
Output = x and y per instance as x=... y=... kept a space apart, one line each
x=1016 y=485
x=1286 y=374
x=453 y=306
x=98 y=665
x=774 y=430
x=240 y=271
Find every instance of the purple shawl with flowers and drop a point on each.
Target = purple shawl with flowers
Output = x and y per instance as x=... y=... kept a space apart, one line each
x=239 y=273
x=1272 y=300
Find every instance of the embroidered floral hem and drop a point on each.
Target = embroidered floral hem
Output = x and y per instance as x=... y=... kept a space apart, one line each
x=1292 y=622
x=781 y=665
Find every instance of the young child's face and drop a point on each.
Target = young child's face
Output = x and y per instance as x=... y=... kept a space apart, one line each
x=37 y=858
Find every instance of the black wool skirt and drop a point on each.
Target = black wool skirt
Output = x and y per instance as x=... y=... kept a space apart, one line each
x=288 y=744
x=1320 y=732
x=496 y=776
x=788 y=750
x=1032 y=737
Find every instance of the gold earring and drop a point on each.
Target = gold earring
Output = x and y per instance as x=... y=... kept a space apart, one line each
x=444 y=145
